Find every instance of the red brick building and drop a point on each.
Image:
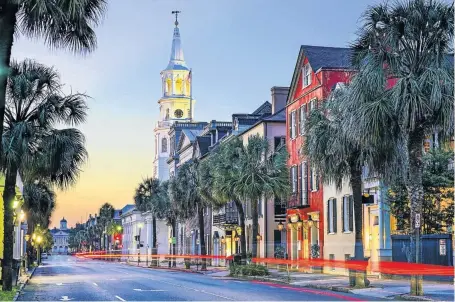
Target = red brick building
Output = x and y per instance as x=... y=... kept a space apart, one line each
x=317 y=71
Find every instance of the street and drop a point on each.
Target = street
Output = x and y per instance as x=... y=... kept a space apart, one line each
x=69 y=278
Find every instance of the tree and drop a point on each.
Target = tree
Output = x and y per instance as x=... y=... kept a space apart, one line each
x=32 y=143
x=186 y=191
x=259 y=175
x=62 y=24
x=148 y=199
x=438 y=182
x=223 y=162
x=105 y=217
x=402 y=48
x=171 y=199
x=39 y=204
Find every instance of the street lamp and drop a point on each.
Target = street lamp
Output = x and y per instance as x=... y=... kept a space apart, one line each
x=223 y=240
x=280 y=226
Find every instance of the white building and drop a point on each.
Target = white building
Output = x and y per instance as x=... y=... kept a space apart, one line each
x=60 y=237
x=176 y=103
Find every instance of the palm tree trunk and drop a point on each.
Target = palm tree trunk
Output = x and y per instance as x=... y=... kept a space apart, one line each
x=416 y=196
x=200 y=213
x=356 y=186
x=7 y=25
x=239 y=206
x=154 y=241
x=174 y=235
x=8 y=196
x=254 y=213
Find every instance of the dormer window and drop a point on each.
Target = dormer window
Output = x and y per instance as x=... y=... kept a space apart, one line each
x=306 y=75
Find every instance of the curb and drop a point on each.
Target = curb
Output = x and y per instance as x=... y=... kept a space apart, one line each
x=21 y=287
x=207 y=272
x=412 y=298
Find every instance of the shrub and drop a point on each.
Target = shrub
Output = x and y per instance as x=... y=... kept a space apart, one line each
x=187 y=263
x=248 y=270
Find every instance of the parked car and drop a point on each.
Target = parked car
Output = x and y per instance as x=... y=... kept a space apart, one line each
x=44 y=256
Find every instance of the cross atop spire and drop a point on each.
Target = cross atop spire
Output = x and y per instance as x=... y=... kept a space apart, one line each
x=176 y=13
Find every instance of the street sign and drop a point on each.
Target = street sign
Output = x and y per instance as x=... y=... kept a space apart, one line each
x=442 y=247
x=417 y=221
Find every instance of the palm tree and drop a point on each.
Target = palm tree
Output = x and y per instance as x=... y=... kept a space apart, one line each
x=190 y=199
x=31 y=142
x=62 y=24
x=223 y=162
x=259 y=175
x=402 y=50
x=39 y=203
x=146 y=200
x=106 y=216
x=173 y=212
x=338 y=157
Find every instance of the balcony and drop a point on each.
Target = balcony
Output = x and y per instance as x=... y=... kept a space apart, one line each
x=229 y=217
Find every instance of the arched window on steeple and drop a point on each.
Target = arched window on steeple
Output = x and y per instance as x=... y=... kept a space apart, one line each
x=167 y=114
x=178 y=86
x=164 y=144
x=168 y=86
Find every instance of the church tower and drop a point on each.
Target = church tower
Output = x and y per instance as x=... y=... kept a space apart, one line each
x=176 y=102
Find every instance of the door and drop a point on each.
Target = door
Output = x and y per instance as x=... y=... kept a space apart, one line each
x=306 y=253
x=294 y=245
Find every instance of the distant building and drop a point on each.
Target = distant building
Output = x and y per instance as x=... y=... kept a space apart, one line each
x=60 y=236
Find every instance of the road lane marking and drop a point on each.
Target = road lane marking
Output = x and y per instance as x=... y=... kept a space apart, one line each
x=149 y=290
x=95 y=284
x=120 y=299
x=65 y=298
x=59 y=283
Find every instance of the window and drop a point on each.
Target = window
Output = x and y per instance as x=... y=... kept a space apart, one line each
x=306 y=75
x=189 y=113
x=260 y=207
x=167 y=114
x=348 y=207
x=332 y=216
x=314 y=179
x=294 y=179
x=313 y=104
x=164 y=144
x=304 y=185
x=302 y=119
x=292 y=125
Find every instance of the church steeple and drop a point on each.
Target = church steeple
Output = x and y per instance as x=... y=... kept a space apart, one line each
x=177 y=60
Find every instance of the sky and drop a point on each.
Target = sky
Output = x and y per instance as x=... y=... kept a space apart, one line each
x=237 y=50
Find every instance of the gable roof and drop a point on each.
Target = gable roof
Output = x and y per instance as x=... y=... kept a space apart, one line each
x=320 y=57
x=190 y=134
x=266 y=107
x=203 y=143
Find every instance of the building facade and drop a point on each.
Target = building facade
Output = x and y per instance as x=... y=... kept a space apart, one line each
x=176 y=103
x=317 y=71
x=60 y=237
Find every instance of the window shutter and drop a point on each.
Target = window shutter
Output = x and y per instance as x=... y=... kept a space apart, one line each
x=351 y=213
x=297 y=117
x=299 y=182
x=343 y=213
x=311 y=179
x=317 y=180
x=290 y=124
x=334 y=215
x=328 y=215
x=305 y=183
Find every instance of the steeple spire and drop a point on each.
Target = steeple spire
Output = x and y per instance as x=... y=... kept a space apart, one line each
x=177 y=60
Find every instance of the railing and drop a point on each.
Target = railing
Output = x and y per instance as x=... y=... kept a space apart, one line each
x=163 y=124
x=226 y=218
x=294 y=201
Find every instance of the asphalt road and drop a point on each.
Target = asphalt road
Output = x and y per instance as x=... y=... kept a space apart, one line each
x=69 y=278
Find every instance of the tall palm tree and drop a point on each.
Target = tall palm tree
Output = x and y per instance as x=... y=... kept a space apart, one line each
x=62 y=24
x=106 y=216
x=223 y=162
x=339 y=157
x=150 y=198
x=402 y=48
x=31 y=142
x=190 y=199
x=171 y=197
x=259 y=175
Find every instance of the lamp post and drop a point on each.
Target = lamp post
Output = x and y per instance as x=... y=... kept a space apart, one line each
x=139 y=225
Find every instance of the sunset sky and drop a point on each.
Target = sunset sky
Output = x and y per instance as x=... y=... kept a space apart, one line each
x=237 y=49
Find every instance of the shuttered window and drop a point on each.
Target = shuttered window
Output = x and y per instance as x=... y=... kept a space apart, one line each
x=304 y=184
x=302 y=119
x=293 y=124
x=332 y=216
x=294 y=179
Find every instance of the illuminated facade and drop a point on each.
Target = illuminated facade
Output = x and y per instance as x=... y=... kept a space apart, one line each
x=176 y=103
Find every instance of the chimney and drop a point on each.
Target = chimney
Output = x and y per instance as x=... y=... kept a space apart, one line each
x=279 y=98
